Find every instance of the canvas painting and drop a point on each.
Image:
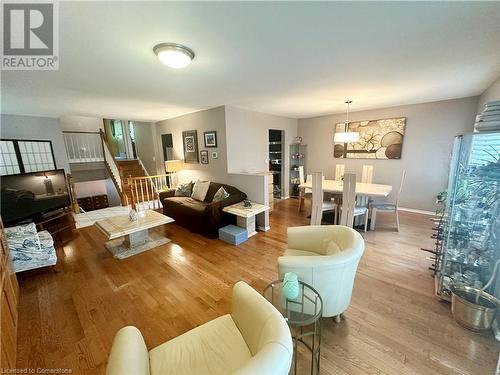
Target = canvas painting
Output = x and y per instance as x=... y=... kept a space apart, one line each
x=190 y=142
x=378 y=139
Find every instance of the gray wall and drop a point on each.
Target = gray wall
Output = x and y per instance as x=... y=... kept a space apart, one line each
x=490 y=94
x=255 y=186
x=41 y=128
x=430 y=129
x=202 y=121
x=145 y=133
x=247 y=135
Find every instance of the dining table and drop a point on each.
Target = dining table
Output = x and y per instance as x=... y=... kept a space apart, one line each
x=336 y=187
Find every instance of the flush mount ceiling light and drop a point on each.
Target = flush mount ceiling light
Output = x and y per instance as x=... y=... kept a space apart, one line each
x=346 y=136
x=174 y=55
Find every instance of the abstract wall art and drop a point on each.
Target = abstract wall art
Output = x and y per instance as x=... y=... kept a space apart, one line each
x=378 y=139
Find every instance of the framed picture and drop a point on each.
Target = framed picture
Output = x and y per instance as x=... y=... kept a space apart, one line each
x=210 y=138
x=204 y=156
x=378 y=139
x=215 y=155
x=190 y=143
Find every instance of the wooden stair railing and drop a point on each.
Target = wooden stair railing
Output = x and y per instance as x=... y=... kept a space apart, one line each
x=145 y=191
x=113 y=171
x=74 y=202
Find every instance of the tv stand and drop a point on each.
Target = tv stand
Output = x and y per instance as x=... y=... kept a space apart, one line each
x=59 y=223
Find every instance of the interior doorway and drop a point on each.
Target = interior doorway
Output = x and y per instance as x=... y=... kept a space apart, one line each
x=276 y=165
x=167 y=146
x=120 y=135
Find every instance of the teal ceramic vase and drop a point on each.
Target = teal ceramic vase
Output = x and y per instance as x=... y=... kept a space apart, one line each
x=290 y=286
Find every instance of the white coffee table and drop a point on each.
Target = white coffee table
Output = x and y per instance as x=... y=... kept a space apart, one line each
x=136 y=233
x=249 y=217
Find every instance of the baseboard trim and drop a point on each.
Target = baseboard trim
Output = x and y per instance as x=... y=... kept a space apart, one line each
x=423 y=212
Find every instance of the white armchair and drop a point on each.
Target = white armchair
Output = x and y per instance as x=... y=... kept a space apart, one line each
x=325 y=257
x=253 y=339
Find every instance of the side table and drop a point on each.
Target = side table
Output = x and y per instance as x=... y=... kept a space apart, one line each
x=248 y=217
x=303 y=316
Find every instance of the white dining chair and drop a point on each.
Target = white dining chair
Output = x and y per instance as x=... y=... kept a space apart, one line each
x=348 y=209
x=319 y=205
x=367 y=174
x=339 y=171
x=303 y=179
x=386 y=206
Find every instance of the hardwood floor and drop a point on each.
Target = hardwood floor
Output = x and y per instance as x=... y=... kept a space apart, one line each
x=394 y=325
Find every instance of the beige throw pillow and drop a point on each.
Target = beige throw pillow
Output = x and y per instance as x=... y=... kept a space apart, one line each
x=200 y=189
x=220 y=195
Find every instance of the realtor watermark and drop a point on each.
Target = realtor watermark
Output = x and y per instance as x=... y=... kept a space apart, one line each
x=30 y=35
x=38 y=370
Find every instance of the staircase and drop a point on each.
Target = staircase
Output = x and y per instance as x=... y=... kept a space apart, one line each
x=129 y=168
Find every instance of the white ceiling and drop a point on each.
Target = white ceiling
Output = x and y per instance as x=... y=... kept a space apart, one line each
x=292 y=59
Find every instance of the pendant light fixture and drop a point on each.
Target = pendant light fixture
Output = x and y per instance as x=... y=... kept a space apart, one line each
x=346 y=136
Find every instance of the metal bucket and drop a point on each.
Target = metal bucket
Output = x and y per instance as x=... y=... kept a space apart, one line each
x=473 y=308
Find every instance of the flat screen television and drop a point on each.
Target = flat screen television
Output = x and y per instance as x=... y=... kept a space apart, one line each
x=32 y=195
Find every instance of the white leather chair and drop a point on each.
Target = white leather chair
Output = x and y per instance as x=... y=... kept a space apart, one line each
x=325 y=257
x=253 y=339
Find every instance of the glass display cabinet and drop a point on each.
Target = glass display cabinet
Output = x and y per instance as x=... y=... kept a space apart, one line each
x=297 y=159
x=471 y=235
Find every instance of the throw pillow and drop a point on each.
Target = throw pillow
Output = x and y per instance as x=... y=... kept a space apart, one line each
x=220 y=195
x=200 y=189
x=183 y=190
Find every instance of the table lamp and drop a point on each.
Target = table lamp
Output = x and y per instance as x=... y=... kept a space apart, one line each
x=171 y=168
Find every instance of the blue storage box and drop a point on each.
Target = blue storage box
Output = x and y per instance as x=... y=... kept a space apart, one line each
x=233 y=234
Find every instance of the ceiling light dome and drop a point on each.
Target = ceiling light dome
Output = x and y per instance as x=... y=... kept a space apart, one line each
x=174 y=55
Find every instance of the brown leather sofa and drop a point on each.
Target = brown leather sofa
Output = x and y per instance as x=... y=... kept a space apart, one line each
x=201 y=217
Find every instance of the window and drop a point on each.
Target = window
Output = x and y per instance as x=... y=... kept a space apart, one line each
x=10 y=165
x=24 y=156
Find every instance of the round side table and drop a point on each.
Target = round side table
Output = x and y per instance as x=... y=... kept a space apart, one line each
x=303 y=317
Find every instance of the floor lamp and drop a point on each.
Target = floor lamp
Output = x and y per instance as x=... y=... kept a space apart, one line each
x=171 y=168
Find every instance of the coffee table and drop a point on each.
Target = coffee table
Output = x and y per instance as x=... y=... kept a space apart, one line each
x=249 y=217
x=127 y=238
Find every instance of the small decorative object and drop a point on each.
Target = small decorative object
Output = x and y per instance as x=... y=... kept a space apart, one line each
x=132 y=215
x=49 y=188
x=215 y=155
x=247 y=203
x=204 y=156
x=290 y=286
x=190 y=143
x=210 y=138
x=298 y=139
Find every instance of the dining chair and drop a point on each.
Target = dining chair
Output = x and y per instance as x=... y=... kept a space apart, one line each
x=348 y=209
x=319 y=205
x=387 y=207
x=339 y=171
x=303 y=179
x=367 y=174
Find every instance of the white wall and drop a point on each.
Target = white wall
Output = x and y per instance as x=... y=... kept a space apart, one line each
x=430 y=129
x=81 y=123
x=247 y=135
x=40 y=128
x=90 y=188
x=490 y=94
